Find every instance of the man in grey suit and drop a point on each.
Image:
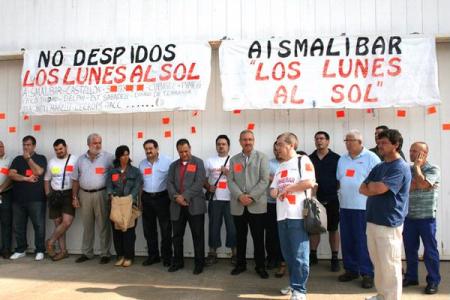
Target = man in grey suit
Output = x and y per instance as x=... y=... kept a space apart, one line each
x=185 y=186
x=248 y=182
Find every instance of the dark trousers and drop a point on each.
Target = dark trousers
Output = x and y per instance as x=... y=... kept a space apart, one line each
x=197 y=226
x=355 y=255
x=6 y=221
x=157 y=207
x=413 y=231
x=35 y=210
x=218 y=211
x=273 y=248
x=124 y=242
x=256 y=224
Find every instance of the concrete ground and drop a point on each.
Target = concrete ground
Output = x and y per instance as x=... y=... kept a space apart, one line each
x=66 y=280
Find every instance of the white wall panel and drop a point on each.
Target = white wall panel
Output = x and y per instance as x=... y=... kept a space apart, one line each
x=74 y=23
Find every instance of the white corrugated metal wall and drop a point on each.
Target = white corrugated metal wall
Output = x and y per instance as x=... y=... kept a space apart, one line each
x=51 y=24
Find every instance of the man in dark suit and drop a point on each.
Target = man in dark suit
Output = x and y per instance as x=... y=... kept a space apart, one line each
x=185 y=187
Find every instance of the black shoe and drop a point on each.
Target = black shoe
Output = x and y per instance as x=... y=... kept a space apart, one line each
x=175 y=267
x=367 y=282
x=407 y=282
x=211 y=259
x=151 y=260
x=335 y=267
x=198 y=270
x=82 y=258
x=104 y=260
x=348 y=276
x=313 y=259
x=432 y=288
x=262 y=273
x=238 y=270
x=167 y=262
x=6 y=254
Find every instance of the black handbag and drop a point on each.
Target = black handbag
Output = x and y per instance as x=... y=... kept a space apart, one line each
x=314 y=213
x=210 y=195
x=56 y=198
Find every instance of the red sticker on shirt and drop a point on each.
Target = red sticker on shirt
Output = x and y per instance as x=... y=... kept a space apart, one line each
x=290 y=198
x=222 y=185
x=115 y=177
x=148 y=171
x=238 y=168
x=191 y=168
x=69 y=168
x=308 y=167
x=99 y=171
x=350 y=173
x=4 y=171
x=284 y=173
x=28 y=172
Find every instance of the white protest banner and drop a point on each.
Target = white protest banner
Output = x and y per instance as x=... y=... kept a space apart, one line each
x=131 y=78
x=335 y=72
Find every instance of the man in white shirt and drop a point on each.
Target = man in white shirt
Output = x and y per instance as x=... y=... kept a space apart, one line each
x=58 y=184
x=5 y=203
x=217 y=170
x=289 y=186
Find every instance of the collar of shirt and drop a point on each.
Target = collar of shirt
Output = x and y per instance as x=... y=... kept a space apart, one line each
x=101 y=153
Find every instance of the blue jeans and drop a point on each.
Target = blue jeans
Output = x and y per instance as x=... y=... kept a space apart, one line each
x=35 y=210
x=217 y=212
x=294 y=244
x=355 y=255
x=413 y=231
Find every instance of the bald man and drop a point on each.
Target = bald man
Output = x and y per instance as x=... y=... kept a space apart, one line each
x=421 y=219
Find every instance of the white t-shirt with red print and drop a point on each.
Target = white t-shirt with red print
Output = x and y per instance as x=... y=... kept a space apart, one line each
x=291 y=206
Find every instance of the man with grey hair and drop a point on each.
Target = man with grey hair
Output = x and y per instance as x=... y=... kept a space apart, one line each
x=89 y=194
x=248 y=182
x=353 y=168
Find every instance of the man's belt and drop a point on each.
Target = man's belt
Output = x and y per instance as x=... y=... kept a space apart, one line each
x=157 y=194
x=94 y=191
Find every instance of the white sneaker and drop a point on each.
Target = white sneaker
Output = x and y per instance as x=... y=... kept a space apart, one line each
x=297 y=296
x=286 y=290
x=39 y=256
x=17 y=255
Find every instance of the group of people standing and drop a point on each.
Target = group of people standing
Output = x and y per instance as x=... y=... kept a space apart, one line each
x=368 y=192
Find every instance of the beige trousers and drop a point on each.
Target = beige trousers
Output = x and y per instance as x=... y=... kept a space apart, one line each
x=95 y=209
x=385 y=250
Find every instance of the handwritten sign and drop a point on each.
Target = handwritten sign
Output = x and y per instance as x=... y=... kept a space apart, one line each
x=335 y=72
x=129 y=78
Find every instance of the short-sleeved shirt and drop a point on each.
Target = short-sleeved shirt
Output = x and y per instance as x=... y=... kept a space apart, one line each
x=55 y=172
x=24 y=191
x=390 y=208
x=351 y=172
x=291 y=207
x=423 y=203
x=213 y=167
x=155 y=175
x=92 y=174
x=274 y=164
x=326 y=175
x=5 y=162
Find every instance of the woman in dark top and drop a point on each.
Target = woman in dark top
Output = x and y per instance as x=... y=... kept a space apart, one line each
x=123 y=180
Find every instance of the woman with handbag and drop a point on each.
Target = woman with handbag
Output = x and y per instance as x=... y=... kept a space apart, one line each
x=289 y=187
x=123 y=185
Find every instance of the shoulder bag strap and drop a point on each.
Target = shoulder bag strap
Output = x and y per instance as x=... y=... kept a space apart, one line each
x=64 y=173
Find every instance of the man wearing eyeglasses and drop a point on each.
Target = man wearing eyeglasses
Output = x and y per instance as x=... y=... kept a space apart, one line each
x=353 y=168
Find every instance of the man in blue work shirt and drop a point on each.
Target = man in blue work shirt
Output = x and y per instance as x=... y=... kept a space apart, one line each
x=353 y=168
